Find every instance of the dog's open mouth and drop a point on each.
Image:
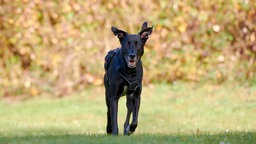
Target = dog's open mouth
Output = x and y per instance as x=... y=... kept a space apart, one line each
x=132 y=63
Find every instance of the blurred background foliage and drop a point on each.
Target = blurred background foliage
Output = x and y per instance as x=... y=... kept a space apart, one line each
x=58 y=46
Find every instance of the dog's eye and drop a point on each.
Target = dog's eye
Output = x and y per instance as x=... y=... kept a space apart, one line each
x=129 y=43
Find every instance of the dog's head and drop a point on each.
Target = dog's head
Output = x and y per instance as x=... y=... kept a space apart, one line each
x=132 y=45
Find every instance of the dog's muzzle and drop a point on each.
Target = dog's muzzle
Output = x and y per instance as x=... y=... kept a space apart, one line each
x=132 y=61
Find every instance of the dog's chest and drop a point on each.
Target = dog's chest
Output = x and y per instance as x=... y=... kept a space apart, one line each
x=129 y=93
x=130 y=86
x=131 y=80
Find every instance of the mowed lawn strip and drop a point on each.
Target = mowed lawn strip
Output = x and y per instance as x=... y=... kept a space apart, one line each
x=178 y=113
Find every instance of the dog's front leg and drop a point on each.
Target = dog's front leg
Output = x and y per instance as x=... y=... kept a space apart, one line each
x=129 y=111
x=113 y=113
x=135 y=113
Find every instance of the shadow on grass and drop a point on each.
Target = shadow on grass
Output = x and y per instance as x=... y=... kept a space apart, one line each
x=243 y=137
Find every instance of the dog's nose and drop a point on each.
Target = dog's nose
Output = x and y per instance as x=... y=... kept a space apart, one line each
x=132 y=56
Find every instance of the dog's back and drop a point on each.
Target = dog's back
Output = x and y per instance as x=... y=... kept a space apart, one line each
x=109 y=57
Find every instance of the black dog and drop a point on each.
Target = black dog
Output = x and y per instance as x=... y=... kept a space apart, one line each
x=123 y=76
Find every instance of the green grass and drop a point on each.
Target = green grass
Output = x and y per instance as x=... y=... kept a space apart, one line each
x=220 y=138
x=180 y=113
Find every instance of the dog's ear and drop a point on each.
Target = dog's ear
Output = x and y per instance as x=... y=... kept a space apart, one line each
x=119 y=33
x=145 y=31
x=144 y=26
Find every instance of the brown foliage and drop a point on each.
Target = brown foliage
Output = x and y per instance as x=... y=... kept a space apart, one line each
x=59 y=46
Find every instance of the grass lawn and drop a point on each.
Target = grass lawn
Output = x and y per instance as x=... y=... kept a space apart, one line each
x=178 y=113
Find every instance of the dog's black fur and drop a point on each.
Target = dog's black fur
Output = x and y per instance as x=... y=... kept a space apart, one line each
x=123 y=76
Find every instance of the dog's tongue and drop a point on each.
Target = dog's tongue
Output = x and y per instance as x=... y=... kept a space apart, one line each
x=132 y=63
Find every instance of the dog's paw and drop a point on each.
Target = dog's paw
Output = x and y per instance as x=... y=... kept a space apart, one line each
x=128 y=131
x=114 y=133
x=109 y=129
x=133 y=127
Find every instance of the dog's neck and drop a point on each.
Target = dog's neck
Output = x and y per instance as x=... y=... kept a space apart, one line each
x=130 y=75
